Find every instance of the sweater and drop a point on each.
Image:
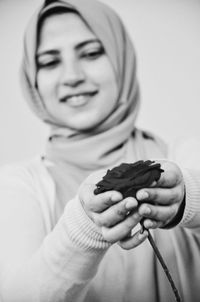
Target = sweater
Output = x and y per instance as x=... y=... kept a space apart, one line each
x=46 y=259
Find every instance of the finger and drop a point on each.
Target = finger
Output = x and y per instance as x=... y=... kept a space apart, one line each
x=171 y=176
x=152 y=224
x=122 y=229
x=115 y=213
x=105 y=200
x=100 y=202
x=160 y=195
x=133 y=241
x=159 y=213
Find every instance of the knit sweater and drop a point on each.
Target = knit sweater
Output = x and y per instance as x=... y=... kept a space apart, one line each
x=42 y=259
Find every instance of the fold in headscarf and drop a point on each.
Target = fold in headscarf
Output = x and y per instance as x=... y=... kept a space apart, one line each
x=76 y=154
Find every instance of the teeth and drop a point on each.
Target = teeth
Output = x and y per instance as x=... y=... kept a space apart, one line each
x=79 y=100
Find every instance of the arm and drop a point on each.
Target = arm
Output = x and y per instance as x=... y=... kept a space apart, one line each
x=36 y=266
x=58 y=266
x=191 y=217
x=185 y=152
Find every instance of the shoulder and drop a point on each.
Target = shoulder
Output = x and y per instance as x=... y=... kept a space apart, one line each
x=185 y=151
x=14 y=174
x=28 y=187
x=27 y=178
x=24 y=172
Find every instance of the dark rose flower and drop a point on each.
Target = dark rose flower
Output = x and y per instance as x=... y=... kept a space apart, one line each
x=129 y=178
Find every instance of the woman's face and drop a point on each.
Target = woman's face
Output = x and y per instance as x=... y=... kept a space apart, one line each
x=75 y=77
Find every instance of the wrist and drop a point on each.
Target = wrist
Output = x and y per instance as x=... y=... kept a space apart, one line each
x=81 y=229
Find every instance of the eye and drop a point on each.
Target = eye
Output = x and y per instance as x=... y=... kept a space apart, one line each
x=93 y=53
x=47 y=63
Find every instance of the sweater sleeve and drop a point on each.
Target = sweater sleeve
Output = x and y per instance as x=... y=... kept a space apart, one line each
x=191 y=216
x=36 y=266
x=185 y=152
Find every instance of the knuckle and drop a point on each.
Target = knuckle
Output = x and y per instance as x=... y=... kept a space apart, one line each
x=108 y=200
x=121 y=212
x=153 y=195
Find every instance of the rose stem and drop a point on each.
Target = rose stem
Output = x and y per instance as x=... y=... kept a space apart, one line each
x=164 y=266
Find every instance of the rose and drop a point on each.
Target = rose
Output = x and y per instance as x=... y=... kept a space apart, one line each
x=128 y=178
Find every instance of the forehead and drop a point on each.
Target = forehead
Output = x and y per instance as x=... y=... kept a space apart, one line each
x=68 y=27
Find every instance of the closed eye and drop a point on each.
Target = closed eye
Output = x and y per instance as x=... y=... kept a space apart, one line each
x=47 y=59
x=47 y=64
x=93 y=54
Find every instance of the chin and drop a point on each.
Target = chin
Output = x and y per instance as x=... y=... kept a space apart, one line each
x=85 y=124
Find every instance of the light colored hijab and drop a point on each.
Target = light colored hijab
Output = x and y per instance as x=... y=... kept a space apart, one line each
x=76 y=154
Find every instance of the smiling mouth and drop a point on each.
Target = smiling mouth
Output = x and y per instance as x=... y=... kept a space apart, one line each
x=78 y=100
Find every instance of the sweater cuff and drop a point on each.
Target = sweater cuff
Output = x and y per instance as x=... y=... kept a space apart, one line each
x=81 y=229
x=192 y=207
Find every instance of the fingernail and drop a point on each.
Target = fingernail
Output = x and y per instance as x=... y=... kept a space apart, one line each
x=147 y=210
x=130 y=204
x=142 y=195
x=149 y=225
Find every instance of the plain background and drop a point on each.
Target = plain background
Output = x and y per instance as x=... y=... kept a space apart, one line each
x=166 y=35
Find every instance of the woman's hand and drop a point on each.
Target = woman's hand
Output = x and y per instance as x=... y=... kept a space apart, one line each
x=116 y=217
x=161 y=202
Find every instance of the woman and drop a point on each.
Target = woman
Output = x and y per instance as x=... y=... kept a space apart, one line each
x=79 y=74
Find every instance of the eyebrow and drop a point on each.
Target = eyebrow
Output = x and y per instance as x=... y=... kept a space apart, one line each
x=77 y=47
x=82 y=44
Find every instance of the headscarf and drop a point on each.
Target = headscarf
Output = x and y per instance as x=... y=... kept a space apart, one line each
x=75 y=154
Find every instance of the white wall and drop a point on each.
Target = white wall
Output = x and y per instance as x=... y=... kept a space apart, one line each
x=166 y=34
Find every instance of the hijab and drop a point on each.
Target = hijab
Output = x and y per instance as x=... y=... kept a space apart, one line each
x=75 y=154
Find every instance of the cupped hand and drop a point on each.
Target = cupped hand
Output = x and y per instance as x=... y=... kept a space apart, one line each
x=115 y=217
x=161 y=202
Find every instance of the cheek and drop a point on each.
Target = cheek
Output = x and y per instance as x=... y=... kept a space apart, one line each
x=109 y=79
x=101 y=72
x=110 y=86
x=103 y=75
x=46 y=83
x=41 y=84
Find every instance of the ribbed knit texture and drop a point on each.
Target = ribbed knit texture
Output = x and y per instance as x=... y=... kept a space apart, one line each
x=69 y=265
x=81 y=229
x=192 y=208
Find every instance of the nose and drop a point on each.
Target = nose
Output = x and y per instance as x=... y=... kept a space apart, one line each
x=72 y=73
